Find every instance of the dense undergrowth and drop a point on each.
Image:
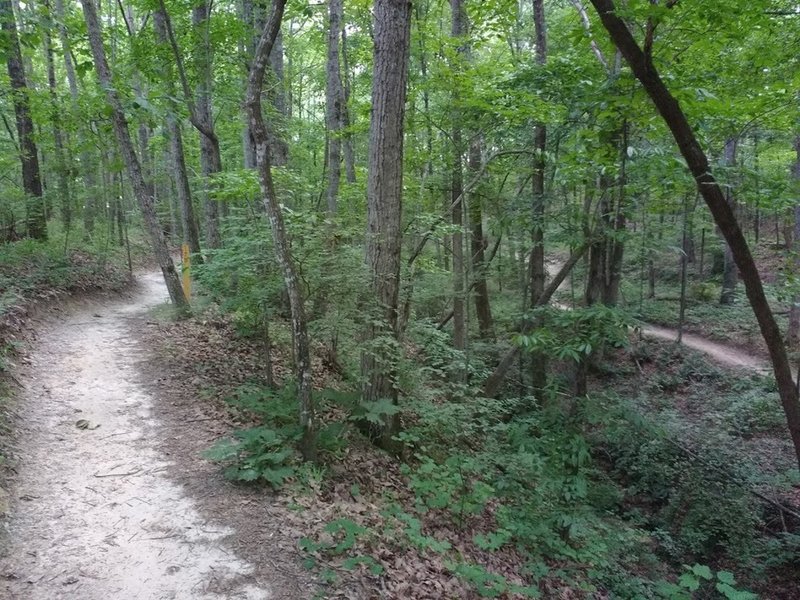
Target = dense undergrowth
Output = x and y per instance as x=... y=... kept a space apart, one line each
x=670 y=479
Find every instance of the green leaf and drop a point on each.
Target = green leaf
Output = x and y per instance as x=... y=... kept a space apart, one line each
x=703 y=571
x=689 y=582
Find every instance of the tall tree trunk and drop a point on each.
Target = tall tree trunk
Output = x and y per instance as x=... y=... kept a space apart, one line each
x=278 y=146
x=210 y=158
x=35 y=215
x=458 y=31
x=392 y=28
x=62 y=175
x=247 y=46
x=793 y=333
x=537 y=266
x=143 y=194
x=191 y=235
x=258 y=128
x=334 y=104
x=730 y=276
x=87 y=168
x=697 y=161
x=483 y=308
x=347 y=143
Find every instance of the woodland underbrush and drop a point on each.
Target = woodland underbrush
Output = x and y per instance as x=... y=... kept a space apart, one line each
x=621 y=494
x=671 y=478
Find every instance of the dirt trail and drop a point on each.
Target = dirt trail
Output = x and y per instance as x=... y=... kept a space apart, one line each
x=94 y=515
x=720 y=353
x=723 y=354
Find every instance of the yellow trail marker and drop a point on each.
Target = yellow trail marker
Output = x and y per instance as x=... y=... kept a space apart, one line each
x=186 y=271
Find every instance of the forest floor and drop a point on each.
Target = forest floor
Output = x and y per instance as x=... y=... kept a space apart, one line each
x=100 y=507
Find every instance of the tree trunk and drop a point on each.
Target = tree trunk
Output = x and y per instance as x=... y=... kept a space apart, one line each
x=87 y=169
x=392 y=25
x=278 y=146
x=347 y=142
x=458 y=31
x=62 y=176
x=191 y=235
x=793 y=333
x=730 y=275
x=143 y=194
x=491 y=386
x=35 y=215
x=483 y=308
x=334 y=104
x=210 y=158
x=670 y=110
x=261 y=137
x=537 y=266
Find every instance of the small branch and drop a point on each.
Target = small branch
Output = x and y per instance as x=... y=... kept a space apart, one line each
x=467 y=189
x=134 y=472
x=578 y=5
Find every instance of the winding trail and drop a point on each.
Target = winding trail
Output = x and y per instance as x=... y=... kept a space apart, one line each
x=720 y=353
x=93 y=514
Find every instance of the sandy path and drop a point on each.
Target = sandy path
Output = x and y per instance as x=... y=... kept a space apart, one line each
x=720 y=353
x=94 y=516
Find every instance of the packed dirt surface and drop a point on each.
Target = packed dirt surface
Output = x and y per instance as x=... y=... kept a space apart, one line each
x=94 y=513
x=720 y=353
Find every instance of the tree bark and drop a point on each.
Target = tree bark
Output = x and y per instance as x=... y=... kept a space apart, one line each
x=793 y=333
x=458 y=31
x=730 y=276
x=483 y=309
x=191 y=235
x=143 y=193
x=261 y=137
x=87 y=170
x=35 y=215
x=392 y=26
x=334 y=104
x=203 y=119
x=670 y=110
x=537 y=266
x=62 y=175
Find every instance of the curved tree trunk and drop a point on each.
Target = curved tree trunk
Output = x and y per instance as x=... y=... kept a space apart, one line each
x=697 y=161
x=143 y=193
x=191 y=235
x=261 y=138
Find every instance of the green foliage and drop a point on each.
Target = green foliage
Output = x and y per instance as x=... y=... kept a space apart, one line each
x=258 y=453
x=265 y=452
x=699 y=581
x=697 y=506
x=340 y=538
x=490 y=585
x=575 y=334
